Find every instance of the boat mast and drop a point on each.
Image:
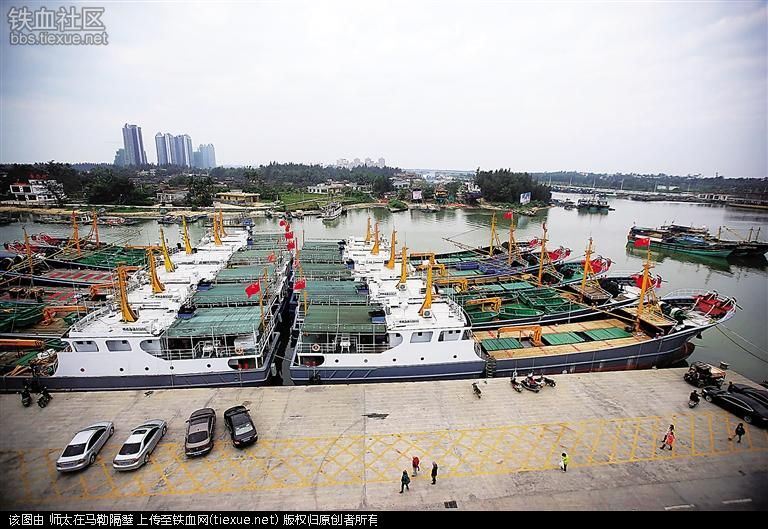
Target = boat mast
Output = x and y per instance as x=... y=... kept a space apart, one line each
x=512 y=242
x=587 y=268
x=403 y=267
x=493 y=234
x=643 y=289
x=544 y=255
x=428 y=298
x=368 y=231
x=166 y=256
x=185 y=235
x=96 y=227
x=216 y=238
x=129 y=315
x=76 y=234
x=391 y=262
x=375 y=249
x=157 y=286
x=29 y=251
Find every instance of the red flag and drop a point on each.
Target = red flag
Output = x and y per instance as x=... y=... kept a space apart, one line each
x=508 y=215
x=282 y=222
x=271 y=257
x=641 y=242
x=291 y=245
x=288 y=235
x=287 y=227
x=638 y=280
x=300 y=284
x=657 y=284
x=533 y=242
x=253 y=288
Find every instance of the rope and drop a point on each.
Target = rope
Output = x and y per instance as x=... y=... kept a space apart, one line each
x=720 y=328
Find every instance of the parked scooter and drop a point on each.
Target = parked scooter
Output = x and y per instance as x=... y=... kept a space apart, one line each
x=542 y=381
x=516 y=385
x=44 y=397
x=530 y=384
x=26 y=398
x=693 y=399
x=476 y=390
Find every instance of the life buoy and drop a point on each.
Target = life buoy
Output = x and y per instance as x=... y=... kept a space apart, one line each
x=316 y=347
x=239 y=349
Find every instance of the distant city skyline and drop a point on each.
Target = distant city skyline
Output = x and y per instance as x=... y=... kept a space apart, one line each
x=133 y=144
x=643 y=87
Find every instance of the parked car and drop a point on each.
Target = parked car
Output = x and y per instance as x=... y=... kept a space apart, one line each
x=744 y=406
x=84 y=446
x=240 y=426
x=200 y=428
x=760 y=395
x=701 y=374
x=136 y=449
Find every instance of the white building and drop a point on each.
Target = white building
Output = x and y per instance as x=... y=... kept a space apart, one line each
x=326 y=188
x=42 y=192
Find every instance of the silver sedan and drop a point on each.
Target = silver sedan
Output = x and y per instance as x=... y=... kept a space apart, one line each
x=143 y=439
x=84 y=446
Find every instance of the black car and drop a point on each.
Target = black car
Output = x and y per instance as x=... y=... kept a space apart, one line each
x=760 y=395
x=240 y=426
x=200 y=428
x=744 y=406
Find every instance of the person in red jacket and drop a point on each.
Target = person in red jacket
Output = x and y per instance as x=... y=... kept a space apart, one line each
x=415 y=463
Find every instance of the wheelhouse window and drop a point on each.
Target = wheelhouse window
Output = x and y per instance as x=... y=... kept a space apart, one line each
x=86 y=346
x=118 y=345
x=421 y=337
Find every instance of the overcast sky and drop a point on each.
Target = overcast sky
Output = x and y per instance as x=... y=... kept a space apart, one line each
x=613 y=86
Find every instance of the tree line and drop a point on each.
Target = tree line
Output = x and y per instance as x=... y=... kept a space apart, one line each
x=502 y=185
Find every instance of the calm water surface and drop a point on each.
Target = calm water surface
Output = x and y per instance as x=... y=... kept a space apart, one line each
x=746 y=281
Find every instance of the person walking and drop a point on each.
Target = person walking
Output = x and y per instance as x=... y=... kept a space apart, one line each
x=666 y=437
x=415 y=463
x=434 y=472
x=564 y=460
x=739 y=432
x=404 y=481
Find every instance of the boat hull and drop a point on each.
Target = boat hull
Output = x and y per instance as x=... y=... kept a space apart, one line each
x=355 y=375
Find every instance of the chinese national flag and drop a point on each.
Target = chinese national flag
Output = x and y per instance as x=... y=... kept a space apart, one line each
x=288 y=235
x=508 y=215
x=253 y=288
x=300 y=284
x=291 y=245
x=287 y=227
x=282 y=222
x=533 y=243
x=641 y=242
x=271 y=257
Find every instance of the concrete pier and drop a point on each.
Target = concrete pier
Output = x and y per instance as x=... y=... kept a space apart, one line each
x=345 y=447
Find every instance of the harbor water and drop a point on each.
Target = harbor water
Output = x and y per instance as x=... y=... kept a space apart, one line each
x=742 y=342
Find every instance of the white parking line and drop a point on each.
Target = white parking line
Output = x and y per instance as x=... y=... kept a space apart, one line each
x=673 y=507
x=741 y=500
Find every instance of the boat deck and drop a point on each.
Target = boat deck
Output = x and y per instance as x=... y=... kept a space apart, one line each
x=559 y=339
x=342 y=318
x=243 y=274
x=108 y=257
x=650 y=317
x=327 y=291
x=325 y=271
x=217 y=321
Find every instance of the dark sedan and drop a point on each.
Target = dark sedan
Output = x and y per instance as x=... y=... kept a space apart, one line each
x=240 y=426
x=744 y=406
x=200 y=428
x=760 y=395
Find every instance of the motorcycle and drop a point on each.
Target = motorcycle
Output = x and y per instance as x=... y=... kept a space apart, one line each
x=530 y=384
x=476 y=390
x=516 y=385
x=693 y=400
x=542 y=381
x=44 y=397
x=26 y=398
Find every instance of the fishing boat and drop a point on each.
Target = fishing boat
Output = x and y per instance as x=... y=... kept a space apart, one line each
x=332 y=211
x=158 y=333
x=594 y=204
x=747 y=245
x=681 y=243
x=391 y=328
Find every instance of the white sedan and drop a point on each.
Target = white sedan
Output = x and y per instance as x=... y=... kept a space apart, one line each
x=143 y=439
x=84 y=446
